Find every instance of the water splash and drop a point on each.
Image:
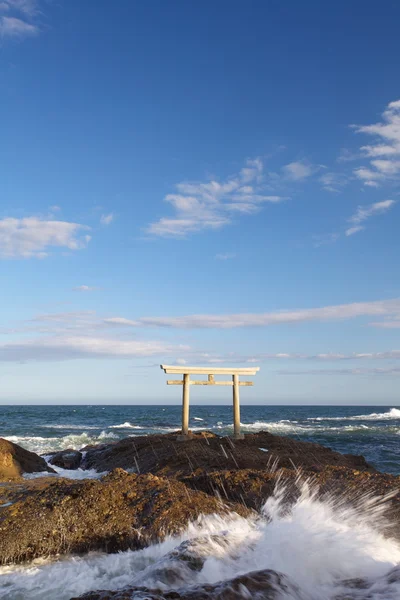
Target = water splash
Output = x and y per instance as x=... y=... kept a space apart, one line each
x=327 y=549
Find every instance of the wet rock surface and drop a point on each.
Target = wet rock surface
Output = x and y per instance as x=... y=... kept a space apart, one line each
x=164 y=455
x=259 y=585
x=66 y=459
x=118 y=512
x=15 y=461
x=174 y=483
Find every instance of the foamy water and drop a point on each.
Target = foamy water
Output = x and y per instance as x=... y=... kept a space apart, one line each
x=318 y=546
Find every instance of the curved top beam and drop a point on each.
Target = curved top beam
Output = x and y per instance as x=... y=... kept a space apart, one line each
x=176 y=369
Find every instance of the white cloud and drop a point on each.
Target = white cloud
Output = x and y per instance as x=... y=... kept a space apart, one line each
x=385 y=151
x=353 y=230
x=33 y=237
x=17 y=18
x=120 y=322
x=85 y=288
x=225 y=256
x=357 y=371
x=14 y=27
x=299 y=170
x=366 y=212
x=107 y=219
x=211 y=205
x=347 y=156
x=83 y=334
x=89 y=322
x=387 y=324
x=333 y=182
x=230 y=321
x=26 y=7
x=77 y=347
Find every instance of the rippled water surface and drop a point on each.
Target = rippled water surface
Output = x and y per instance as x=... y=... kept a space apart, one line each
x=373 y=431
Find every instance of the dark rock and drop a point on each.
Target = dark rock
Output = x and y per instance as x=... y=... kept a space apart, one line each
x=259 y=585
x=66 y=459
x=15 y=461
x=164 y=455
x=118 y=512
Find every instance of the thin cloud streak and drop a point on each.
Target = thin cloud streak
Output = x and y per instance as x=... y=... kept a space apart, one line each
x=78 y=347
x=232 y=321
x=364 y=213
x=361 y=371
x=88 y=321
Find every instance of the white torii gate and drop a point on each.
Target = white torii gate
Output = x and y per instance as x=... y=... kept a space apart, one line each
x=210 y=371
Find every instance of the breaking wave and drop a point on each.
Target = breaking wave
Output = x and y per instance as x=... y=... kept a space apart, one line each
x=45 y=445
x=126 y=425
x=393 y=413
x=325 y=550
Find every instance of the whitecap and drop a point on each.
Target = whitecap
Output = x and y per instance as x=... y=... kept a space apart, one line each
x=126 y=425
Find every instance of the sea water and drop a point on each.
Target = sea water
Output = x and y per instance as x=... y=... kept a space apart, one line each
x=326 y=550
x=373 y=431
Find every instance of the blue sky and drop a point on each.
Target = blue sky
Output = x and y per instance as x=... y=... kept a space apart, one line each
x=199 y=183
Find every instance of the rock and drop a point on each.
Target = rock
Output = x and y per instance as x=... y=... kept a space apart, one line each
x=118 y=512
x=66 y=459
x=260 y=585
x=15 y=461
x=164 y=455
x=337 y=485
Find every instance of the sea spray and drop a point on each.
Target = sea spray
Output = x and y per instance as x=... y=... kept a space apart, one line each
x=326 y=548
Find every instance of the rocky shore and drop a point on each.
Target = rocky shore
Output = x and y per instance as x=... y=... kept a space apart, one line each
x=154 y=486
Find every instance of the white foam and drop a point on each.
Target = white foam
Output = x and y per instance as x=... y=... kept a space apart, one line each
x=318 y=545
x=393 y=413
x=42 y=445
x=126 y=425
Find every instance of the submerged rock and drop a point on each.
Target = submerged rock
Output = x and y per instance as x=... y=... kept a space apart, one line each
x=258 y=585
x=118 y=512
x=15 y=461
x=66 y=459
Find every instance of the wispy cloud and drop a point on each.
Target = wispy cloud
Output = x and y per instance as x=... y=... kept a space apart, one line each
x=13 y=27
x=384 y=152
x=364 y=213
x=333 y=182
x=380 y=311
x=380 y=308
x=356 y=371
x=77 y=347
x=225 y=256
x=85 y=288
x=33 y=237
x=325 y=239
x=17 y=18
x=212 y=204
x=107 y=219
x=299 y=170
x=27 y=7
x=84 y=334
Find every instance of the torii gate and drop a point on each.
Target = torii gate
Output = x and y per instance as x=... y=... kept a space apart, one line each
x=187 y=382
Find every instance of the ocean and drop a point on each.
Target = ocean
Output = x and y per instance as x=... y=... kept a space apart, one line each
x=326 y=550
x=373 y=431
